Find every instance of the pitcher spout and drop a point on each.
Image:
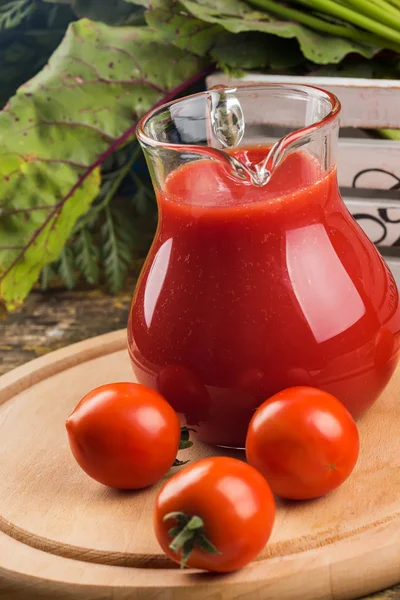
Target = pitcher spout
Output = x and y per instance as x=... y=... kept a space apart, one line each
x=222 y=122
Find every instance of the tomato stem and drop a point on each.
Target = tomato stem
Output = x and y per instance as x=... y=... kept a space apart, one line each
x=183 y=445
x=180 y=463
x=188 y=533
x=185 y=441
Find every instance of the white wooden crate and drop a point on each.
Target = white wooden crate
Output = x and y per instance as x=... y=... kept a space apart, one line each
x=368 y=169
x=366 y=103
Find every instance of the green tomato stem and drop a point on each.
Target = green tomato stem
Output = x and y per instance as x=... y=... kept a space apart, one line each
x=184 y=443
x=185 y=435
x=187 y=534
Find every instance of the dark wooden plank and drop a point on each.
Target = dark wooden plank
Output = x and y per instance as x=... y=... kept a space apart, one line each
x=51 y=320
x=48 y=321
x=392 y=594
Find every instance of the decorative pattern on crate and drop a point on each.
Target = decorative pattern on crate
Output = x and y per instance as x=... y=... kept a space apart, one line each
x=369 y=177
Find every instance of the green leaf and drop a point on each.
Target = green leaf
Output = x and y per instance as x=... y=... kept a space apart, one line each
x=117 y=249
x=112 y=12
x=141 y=201
x=35 y=222
x=181 y=28
x=376 y=68
x=61 y=126
x=139 y=2
x=87 y=257
x=46 y=276
x=66 y=268
x=13 y=13
x=236 y=16
x=357 y=70
x=23 y=52
x=256 y=50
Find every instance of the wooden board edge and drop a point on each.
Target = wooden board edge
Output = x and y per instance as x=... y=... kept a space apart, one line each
x=160 y=561
x=23 y=377
x=27 y=572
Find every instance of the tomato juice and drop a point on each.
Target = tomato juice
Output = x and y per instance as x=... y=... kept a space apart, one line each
x=248 y=290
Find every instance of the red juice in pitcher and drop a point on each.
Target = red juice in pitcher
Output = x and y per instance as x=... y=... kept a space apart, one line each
x=258 y=278
x=248 y=290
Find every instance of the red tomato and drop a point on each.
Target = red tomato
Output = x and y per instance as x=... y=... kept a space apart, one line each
x=124 y=435
x=225 y=509
x=304 y=441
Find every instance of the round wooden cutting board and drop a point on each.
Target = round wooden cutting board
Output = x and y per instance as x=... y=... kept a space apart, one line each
x=63 y=536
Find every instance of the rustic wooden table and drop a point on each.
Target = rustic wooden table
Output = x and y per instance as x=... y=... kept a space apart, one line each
x=51 y=320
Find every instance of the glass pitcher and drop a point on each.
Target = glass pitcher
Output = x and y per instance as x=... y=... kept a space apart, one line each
x=258 y=278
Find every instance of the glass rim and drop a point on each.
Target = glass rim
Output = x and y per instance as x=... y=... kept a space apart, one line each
x=310 y=89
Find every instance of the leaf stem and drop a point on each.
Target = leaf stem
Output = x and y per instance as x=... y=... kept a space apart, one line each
x=367 y=7
x=320 y=25
x=351 y=16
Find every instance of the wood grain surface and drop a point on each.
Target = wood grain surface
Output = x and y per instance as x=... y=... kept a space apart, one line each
x=54 y=320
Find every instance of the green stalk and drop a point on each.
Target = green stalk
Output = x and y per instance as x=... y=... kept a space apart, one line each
x=346 y=14
x=390 y=134
x=385 y=4
x=395 y=3
x=381 y=11
x=320 y=25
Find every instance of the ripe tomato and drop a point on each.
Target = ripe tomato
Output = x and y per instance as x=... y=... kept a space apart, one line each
x=304 y=441
x=124 y=435
x=216 y=514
